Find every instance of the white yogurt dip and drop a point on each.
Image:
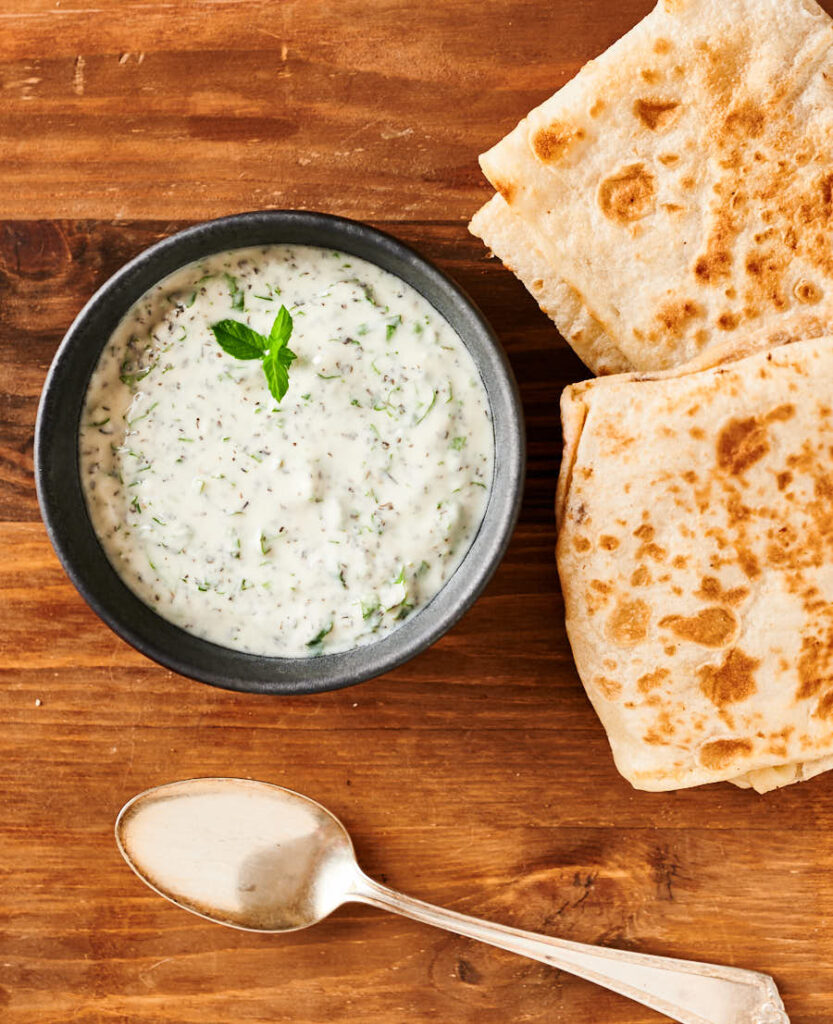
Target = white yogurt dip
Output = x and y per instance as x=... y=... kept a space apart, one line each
x=310 y=526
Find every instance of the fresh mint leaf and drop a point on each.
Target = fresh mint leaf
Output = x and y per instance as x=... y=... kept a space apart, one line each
x=276 y=362
x=242 y=342
x=281 y=329
x=239 y=340
x=276 y=369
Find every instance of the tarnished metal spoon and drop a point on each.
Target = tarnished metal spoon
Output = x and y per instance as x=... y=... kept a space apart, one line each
x=262 y=858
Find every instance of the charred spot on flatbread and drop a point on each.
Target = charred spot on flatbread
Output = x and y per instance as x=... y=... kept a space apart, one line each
x=720 y=754
x=710 y=627
x=745 y=121
x=815 y=666
x=507 y=190
x=628 y=625
x=740 y=444
x=744 y=441
x=552 y=142
x=712 y=590
x=807 y=292
x=673 y=316
x=656 y=114
x=731 y=680
x=608 y=688
x=629 y=194
x=824 y=708
x=651 y=680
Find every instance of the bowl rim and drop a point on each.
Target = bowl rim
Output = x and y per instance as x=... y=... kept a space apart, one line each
x=156 y=637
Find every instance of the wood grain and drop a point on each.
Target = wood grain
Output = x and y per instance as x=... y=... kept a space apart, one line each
x=477 y=775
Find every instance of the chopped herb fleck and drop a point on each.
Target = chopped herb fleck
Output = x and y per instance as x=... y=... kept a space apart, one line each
x=430 y=407
x=319 y=636
x=238 y=296
x=393 y=323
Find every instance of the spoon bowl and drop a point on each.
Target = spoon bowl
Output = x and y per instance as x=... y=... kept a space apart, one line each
x=262 y=858
x=240 y=853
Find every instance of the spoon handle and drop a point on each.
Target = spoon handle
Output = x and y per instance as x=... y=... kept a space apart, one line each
x=686 y=991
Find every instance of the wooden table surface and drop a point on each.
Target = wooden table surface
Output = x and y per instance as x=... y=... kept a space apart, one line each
x=477 y=776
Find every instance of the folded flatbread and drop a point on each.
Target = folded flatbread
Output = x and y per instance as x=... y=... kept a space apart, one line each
x=514 y=244
x=695 y=551
x=678 y=192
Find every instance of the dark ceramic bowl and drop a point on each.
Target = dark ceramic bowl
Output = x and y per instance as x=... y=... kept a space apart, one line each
x=65 y=512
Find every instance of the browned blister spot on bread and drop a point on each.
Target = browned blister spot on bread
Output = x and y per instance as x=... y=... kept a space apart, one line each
x=807 y=292
x=628 y=195
x=662 y=731
x=781 y=413
x=640 y=577
x=710 y=627
x=610 y=689
x=657 y=114
x=648 y=548
x=745 y=121
x=815 y=666
x=712 y=590
x=716 y=262
x=728 y=321
x=507 y=189
x=743 y=442
x=824 y=708
x=651 y=680
x=551 y=143
x=719 y=754
x=731 y=681
x=748 y=561
x=672 y=317
x=628 y=624
x=765 y=271
x=740 y=444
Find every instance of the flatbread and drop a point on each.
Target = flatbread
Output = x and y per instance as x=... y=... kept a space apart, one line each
x=695 y=551
x=514 y=243
x=681 y=184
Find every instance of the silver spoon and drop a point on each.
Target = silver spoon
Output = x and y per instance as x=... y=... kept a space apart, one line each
x=262 y=858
